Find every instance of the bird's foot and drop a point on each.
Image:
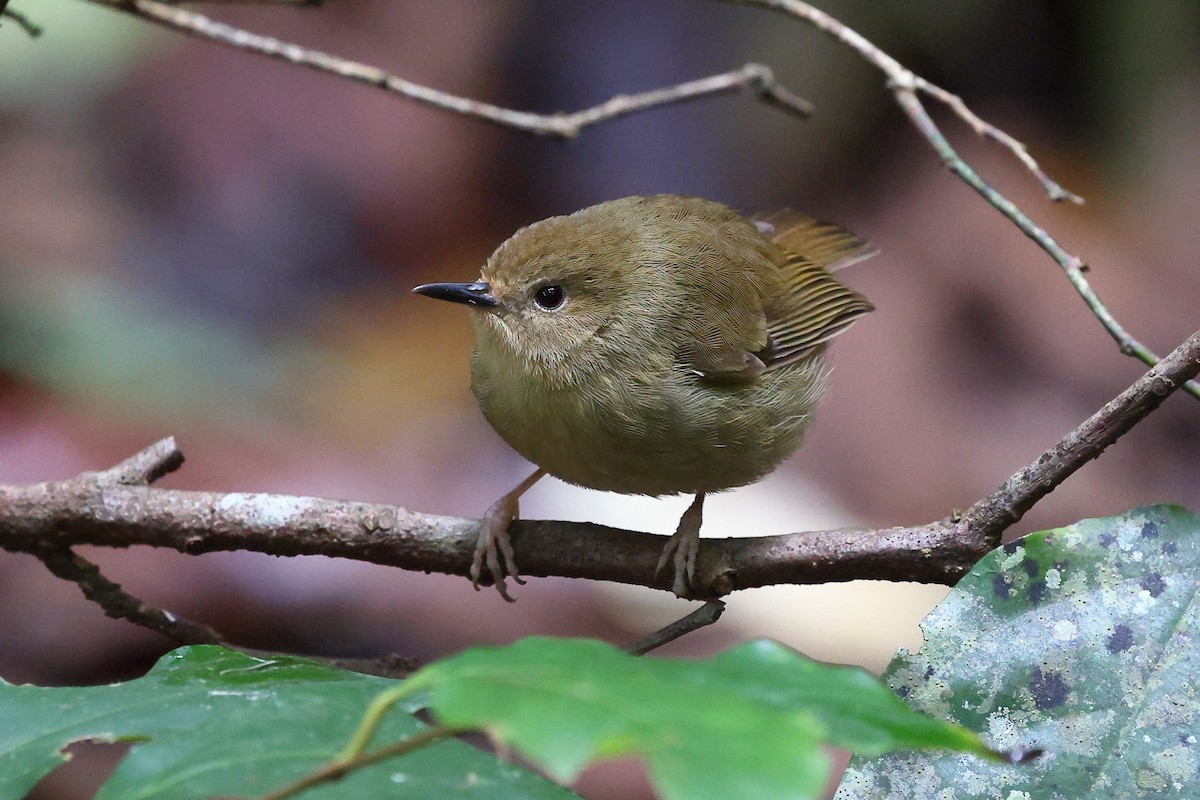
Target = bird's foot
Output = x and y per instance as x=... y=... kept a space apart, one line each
x=494 y=547
x=682 y=547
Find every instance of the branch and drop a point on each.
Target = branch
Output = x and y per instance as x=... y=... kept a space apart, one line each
x=141 y=469
x=900 y=76
x=907 y=88
x=904 y=84
x=1072 y=265
x=1019 y=493
x=988 y=131
x=95 y=509
x=117 y=603
x=753 y=77
x=702 y=617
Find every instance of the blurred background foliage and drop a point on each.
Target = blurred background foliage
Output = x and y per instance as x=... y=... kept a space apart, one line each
x=203 y=243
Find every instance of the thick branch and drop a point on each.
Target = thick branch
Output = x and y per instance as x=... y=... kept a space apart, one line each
x=142 y=469
x=92 y=510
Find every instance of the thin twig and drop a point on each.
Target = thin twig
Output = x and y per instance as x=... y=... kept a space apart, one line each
x=23 y=22
x=900 y=76
x=905 y=86
x=1053 y=189
x=86 y=510
x=702 y=617
x=335 y=770
x=753 y=77
x=140 y=469
x=119 y=604
x=1071 y=265
x=145 y=467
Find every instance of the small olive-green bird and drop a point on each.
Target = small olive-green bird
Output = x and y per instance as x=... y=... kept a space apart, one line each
x=653 y=345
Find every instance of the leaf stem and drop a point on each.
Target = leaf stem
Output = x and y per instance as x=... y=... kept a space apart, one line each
x=384 y=702
x=338 y=768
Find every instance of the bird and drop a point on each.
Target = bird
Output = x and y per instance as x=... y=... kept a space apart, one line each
x=653 y=345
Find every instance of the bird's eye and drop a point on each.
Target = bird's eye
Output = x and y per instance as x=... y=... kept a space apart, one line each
x=550 y=297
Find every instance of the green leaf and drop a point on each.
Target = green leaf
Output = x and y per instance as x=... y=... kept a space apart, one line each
x=1081 y=640
x=748 y=724
x=211 y=722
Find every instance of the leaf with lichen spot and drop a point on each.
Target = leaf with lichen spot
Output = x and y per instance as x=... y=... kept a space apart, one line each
x=1080 y=640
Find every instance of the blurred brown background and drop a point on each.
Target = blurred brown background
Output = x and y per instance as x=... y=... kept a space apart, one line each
x=208 y=244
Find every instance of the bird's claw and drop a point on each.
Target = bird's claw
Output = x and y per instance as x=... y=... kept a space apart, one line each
x=681 y=550
x=495 y=549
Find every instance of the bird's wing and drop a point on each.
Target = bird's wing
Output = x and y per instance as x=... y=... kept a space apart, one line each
x=831 y=246
x=814 y=306
x=720 y=271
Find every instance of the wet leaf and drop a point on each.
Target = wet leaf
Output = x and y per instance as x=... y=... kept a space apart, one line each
x=211 y=722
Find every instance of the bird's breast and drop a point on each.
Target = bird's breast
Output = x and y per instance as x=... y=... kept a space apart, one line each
x=639 y=428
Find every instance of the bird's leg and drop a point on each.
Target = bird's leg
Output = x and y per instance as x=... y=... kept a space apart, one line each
x=682 y=547
x=494 y=543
